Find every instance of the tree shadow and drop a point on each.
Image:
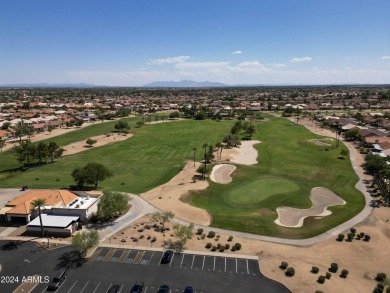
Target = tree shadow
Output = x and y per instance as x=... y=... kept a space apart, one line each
x=100 y=226
x=71 y=260
x=10 y=245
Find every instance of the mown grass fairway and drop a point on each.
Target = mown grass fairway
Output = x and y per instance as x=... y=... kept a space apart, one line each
x=289 y=168
x=151 y=157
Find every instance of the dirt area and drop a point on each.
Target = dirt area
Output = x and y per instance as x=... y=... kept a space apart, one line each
x=321 y=141
x=321 y=199
x=101 y=140
x=362 y=259
x=221 y=173
x=168 y=196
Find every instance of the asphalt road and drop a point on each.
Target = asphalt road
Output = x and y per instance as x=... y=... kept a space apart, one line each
x=125 y=267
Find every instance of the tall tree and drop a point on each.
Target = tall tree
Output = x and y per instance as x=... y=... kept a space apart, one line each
x=2 y=144
x=183 y=233
x=25 y=152
x=23 y=129
x=41 y=151
x=85 y=240
x=250 y=131
x=121 y=125
x=38 y=204
x=92 y=173
x=54 y=150
x=194 y=149
x=163 y=217
x=204 y=146
x=111 y=205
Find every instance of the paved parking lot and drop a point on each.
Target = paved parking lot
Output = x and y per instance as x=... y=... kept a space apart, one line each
x=125 y=267
x=183 y=261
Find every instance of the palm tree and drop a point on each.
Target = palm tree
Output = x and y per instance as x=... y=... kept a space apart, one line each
x=205 y=160
x=218 y=145
x=39 y=203
x=194 y=149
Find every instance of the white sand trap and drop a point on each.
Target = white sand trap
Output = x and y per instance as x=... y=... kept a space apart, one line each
x=247 y=154
x=221 y=173
x=321 y=141
x=321 y=199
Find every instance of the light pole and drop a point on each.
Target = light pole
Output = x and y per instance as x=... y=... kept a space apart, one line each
x=48 y=240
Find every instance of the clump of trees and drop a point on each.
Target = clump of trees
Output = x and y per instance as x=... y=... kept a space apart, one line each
x=122 y=126
x=90 y=142
x=163 y=218
x=90 y=174
x=110 y=206
x=85 y=240
x=28 y=153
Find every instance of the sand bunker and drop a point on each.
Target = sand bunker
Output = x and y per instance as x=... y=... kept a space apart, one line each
x=321 y=141
x=246 y=154
x=102 y=140
x=321 y=199
x=221 y=173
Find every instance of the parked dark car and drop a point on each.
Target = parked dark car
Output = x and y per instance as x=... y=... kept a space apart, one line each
x=163 y=289
x=114 y=289
x=188 y=289
x=167 y=256
x=137 y=288
x=59 y=277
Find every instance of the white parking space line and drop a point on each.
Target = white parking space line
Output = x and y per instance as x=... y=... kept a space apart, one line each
x=225 y=264
x=96 y=287
x=121 y=288
x=161 y=259
x=84 y=287
x=236 y=265
x=247 y=267
x=150 y=259
x=173 y=255
x=214 y=264
x=146 y=289
x=204 y=257
x=60 y=285
x=72 y=286
x=182 y=260
x=108 y=287
x=46 y=289
x=193 y=261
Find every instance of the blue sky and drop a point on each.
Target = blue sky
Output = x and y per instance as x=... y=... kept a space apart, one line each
x=133 y=42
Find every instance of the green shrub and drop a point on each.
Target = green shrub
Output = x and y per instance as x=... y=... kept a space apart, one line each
x=315 y=270
x=290 y=272
x=211 y=234
x=328 y=275
x=333 y=267
x=238 y=246
x=350 y=236
x=219 y=245
x=344 y=273
x=380 y=277
x=340 y=237
x=367 y=238
x=321 y=279
x=377 y=290
x=283 y=265
x=388 y=290
x=353 y=230
x=233 y=248
x=230 y=238
x=214 y=248
x=208 y=245
x=318 y=291
x=222 y=249
x=199 y=232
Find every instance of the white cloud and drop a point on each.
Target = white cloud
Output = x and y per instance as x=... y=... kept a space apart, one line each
x=238 y=52
x=278 y=65
x=168 y=60
x=385 y=57
x=303 y=59
x=248 y=66
x=203 y=66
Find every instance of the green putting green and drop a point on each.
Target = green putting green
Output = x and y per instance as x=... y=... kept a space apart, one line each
x=259 y=190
